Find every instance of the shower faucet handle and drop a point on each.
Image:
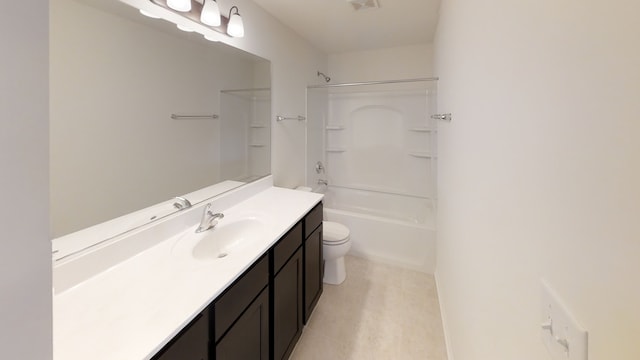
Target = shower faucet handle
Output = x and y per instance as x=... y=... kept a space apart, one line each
x=319 y=167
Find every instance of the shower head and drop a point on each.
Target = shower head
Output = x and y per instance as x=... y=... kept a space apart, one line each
x=326 y=78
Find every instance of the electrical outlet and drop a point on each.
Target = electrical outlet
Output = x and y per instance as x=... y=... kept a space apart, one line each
x=562 y=335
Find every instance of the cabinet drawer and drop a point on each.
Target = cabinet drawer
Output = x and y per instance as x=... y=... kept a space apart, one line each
x=229 y=306
x=289 y=243
x=312 y=220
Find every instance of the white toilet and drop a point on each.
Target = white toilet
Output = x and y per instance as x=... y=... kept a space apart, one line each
x=335 y=245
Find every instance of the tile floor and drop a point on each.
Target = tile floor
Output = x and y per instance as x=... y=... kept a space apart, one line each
x=379 y=312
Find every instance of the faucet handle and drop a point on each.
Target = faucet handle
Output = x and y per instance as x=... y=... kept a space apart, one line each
x=209 y=219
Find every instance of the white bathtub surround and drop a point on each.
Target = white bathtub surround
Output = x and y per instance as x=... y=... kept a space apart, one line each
x=396 y=230
x=379 y=155
x=133 y=308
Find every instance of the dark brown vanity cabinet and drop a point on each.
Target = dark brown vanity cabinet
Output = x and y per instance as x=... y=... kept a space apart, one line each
x=248 y=337
x=192 y=343
x=313 y=260
x=261 y=315
x=287 y=293
x=241 y=329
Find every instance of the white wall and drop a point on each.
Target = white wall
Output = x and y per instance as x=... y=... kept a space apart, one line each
x=25 y=268
x=403 y=62
x=539 y=173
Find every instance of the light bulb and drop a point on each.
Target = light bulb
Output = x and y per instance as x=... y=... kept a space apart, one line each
x=235 y=27
x=210 y=13
x=180 y=5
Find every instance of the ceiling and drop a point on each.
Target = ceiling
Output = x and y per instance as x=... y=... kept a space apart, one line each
x=334 y=26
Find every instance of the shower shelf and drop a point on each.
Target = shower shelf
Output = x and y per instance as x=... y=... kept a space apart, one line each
x=335 y=150
x=421 y=129
x=334 y=127
x=257 y=125
x=421 y=154
x=257 y=145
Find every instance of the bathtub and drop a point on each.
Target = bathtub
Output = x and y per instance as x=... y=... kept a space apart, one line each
x=391 y=228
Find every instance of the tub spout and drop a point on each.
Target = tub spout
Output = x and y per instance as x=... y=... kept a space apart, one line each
x=181 y=203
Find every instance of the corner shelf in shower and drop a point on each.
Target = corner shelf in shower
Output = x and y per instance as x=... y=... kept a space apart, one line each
x=421 y=154
x=335 y=150
x=422 y=129
x=334 y=127
x=257 y=145
x=257 y=125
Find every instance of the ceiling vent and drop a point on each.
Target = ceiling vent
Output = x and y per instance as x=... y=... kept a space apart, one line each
x=364 y=4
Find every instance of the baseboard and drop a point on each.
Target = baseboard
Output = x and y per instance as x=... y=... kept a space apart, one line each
x=443 y=315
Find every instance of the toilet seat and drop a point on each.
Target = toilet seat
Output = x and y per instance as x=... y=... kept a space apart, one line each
x=334 y=233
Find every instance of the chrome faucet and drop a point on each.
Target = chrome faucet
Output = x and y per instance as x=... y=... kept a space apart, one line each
x=181 y=203
x=209 y=219
x=323 y=182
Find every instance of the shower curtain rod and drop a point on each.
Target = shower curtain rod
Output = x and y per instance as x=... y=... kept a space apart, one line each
x=371 y=83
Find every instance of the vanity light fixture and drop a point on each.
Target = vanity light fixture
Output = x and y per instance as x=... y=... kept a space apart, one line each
x=184 y=28
x=210 y=13
x=180 y=5
x=149 y=14
x=212 y=38
x=235 y=27
x=205 y=13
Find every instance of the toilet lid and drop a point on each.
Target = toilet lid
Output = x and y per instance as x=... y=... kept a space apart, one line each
x=334 y=232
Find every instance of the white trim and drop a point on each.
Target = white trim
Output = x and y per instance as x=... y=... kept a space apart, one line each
x=445 y=328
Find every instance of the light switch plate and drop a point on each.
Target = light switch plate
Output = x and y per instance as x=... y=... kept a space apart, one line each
x=562 y=335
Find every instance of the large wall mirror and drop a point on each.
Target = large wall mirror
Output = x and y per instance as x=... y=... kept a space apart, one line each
x=116 y=79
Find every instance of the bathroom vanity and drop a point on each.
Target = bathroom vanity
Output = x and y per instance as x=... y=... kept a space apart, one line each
x=248 y=300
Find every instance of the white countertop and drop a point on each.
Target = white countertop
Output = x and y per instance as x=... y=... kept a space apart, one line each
x=131 y=310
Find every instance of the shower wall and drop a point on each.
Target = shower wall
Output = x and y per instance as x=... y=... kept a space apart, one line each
x=377 y=144
x=245 y=113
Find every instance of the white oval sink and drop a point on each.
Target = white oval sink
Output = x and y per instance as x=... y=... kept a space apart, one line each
x=223 y=240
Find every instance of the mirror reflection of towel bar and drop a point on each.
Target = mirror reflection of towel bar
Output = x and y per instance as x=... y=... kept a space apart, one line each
x=299 y=118
x=193 y=117
x=445 y=117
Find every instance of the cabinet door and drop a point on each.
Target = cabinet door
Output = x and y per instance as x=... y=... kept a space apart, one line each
x=313 y=271
x=287 y=306
x=248 y=337
x=191 y=344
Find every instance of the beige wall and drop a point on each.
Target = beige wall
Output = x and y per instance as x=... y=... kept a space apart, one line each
x=403 y=62
x=539 y=173
x=25 y=268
